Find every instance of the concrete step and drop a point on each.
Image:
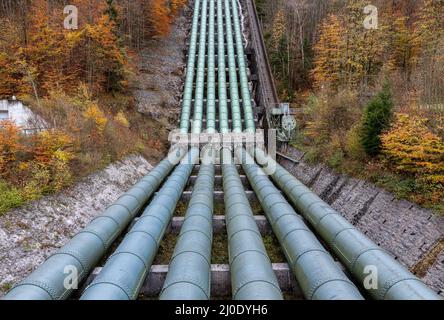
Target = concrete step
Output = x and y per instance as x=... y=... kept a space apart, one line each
x=218 y=195
x=220 y=280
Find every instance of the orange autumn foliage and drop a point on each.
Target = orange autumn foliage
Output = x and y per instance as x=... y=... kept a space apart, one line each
x=9 y=144
x=160 y=17
x=412 y=148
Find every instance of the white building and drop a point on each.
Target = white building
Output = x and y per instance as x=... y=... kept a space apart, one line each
x=21 y=115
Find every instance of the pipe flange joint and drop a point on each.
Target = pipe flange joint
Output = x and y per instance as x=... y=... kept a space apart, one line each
x=76 y=255
x=300 y=254
x=325 y=279
x=51 y=291
x=390 y=283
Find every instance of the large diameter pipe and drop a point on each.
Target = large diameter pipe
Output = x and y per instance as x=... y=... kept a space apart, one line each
x=211 y=82
x=361 y=256
x=189 y=79
x=317 y=273
x=200 y=76
x=245 y=89
x=189 y=272
x=252 y=276
x=123 y=274
x=222 y=81
x=236 y=116
x=77 y=258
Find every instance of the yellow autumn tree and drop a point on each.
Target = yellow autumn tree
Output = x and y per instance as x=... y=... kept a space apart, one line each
x=328 y=62
x=121 y=119
x=405 y=46
x=279 y=29
x=94 y=114
x=412 y=148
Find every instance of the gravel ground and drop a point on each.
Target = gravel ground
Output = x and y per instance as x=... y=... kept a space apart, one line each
x=159 y=85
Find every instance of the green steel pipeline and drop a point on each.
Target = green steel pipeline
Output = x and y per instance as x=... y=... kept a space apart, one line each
x=245 y=90
x=236 y=116
x=87 y=247
x=124 y=272
x=189 y=79
x=357 y=252
x=319 y=277
x=223 y=104
x=252 y=275
x=200 y=76
x=211 y=81
x=189 y=272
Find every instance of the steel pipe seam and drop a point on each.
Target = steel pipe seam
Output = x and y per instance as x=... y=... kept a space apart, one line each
x=297 y=229
x=190 y=264
x=33 y=290
x=352 y=247
x=139 y=192
x=249 y=262
x=299 y=244
x=198 y=244
x=102 y=291
x=150 y=217
x=97 y=235
x=240 y=252
x=227 y=220
x=245 y=272
x=175 y=291
x=253 y=290
x=408 y=289
x=241 y=217
x=78 y=250
x=200 y=212
x=195 y=231
x=105 y=230
x=118 y=214
x=129 y=203
x=239 y=229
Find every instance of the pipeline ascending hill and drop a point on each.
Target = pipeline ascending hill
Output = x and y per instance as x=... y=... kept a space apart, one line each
x=252 y=276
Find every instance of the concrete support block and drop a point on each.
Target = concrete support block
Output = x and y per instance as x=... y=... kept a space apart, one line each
x=220 y=280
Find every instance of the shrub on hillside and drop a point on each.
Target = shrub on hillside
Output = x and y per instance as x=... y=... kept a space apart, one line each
x=332 y=117
x=413 y=149
x=10 y=197
x=376 y=118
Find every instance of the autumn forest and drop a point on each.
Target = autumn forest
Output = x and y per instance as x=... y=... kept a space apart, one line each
x=77 y=81
x=370 y=100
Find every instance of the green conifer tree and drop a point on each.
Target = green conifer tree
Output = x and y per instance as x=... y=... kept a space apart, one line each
x=376 y=118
